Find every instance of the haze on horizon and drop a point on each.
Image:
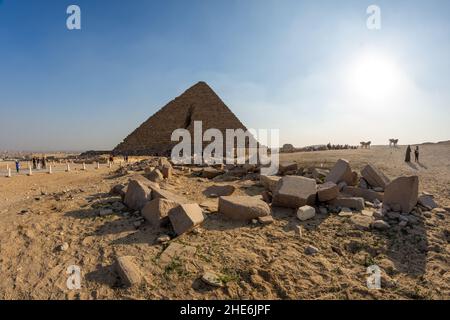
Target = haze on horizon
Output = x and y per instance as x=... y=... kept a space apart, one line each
x=309 y=68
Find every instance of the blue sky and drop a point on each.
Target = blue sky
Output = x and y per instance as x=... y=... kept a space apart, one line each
x=304 y=67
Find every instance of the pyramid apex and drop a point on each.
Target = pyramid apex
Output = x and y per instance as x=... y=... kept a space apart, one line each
x=201 y=84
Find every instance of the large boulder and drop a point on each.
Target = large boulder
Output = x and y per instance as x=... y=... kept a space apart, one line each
x=128 y=271
x=402 y=192
x=284 y=168
x=348 y=202
x=157 y=211
x=185 y=217
x=118 y=190
x=294 y=192
x=137 y=195
x=374 y=177
x=211 y=173
x=367 y=194
x=327 y=191
x=341 y=172
x=149 y=184
x=165 y=194
x=269 y=182
x=243 y=207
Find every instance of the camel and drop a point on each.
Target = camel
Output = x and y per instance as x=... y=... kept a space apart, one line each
x=365 y=145
x=393 y=143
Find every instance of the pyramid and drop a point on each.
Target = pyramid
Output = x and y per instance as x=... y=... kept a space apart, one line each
x=198 y=103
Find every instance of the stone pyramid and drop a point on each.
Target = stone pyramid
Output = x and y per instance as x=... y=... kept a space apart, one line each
x=198 y=103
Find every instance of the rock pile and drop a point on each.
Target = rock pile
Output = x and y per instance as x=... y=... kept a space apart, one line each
x=368 y=198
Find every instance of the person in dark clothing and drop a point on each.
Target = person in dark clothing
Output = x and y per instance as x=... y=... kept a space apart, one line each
x=44 y=164
x=17 y=166
x=408 y=154
x=34 y=163
x=416 y=154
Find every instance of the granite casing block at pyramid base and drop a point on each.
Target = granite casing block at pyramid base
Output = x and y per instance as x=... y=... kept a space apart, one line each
x=198 y=103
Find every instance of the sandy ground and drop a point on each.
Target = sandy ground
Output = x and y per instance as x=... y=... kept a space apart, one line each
x=41 y=212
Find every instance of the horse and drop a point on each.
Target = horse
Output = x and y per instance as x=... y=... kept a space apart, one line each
x=365 y=145
x=393 y=143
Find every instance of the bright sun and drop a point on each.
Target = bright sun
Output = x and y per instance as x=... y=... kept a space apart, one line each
x=374 y=76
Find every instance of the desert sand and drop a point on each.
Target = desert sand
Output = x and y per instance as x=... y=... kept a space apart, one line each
x=39 y=213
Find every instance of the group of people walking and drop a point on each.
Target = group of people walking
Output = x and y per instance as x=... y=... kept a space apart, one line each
x=39 y=163
x=408 y=154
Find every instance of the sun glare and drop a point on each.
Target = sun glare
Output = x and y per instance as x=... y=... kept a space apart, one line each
x=374 y=76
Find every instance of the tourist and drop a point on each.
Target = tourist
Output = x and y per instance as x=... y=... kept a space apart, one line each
x=17 y=166
x=416 y=154
x=408 y=154
x=34 y=163
x=43 y=163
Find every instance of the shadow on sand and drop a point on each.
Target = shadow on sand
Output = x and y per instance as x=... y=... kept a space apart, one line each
x=407 y=247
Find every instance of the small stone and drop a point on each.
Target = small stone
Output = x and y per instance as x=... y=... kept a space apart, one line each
x=212 y=279
x=361 y=222
x=266 y=220
x=427 y=201
x=310 y=250
x=367 y=213
x=254 y=221
x=305 y=213
x=427 y=214
x=377 y=203
x=163 y=238
x=380 y=225
x=342 y=185
x=323 y=210
x=403 y=224
x=300 y=231
x=137 y=224
x=155 y=176
x=369 y=204
x=63 y=247
x=345 y=214
x=377 y=214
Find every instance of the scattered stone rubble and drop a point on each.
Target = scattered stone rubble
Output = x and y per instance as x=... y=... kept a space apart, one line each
x=369 y=198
